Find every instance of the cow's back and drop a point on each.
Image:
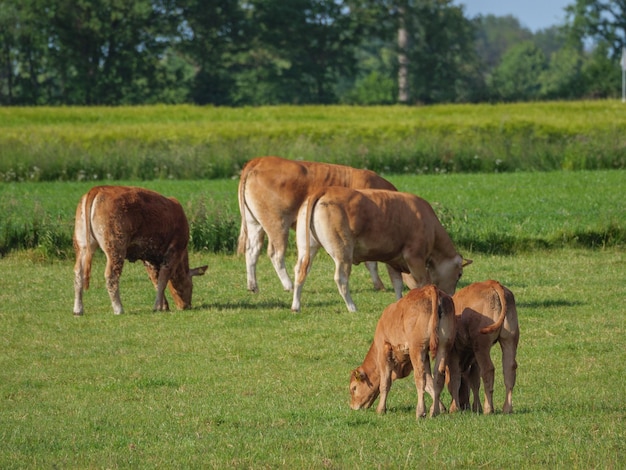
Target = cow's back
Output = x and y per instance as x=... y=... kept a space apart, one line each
x=142 y=223
x=287 y=183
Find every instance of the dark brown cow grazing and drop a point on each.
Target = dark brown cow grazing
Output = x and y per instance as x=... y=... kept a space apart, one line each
x=398 y=229
x=133 y=223
x=421 y=321
x=271 y=191
x=486 y=314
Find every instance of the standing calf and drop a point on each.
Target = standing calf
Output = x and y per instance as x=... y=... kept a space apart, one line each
x=423 y=320
x=486 y=314
x=133 y=223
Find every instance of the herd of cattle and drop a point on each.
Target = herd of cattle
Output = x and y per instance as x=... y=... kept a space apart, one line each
x=356 y=216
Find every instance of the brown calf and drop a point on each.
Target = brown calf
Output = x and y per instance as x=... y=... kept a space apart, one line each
x=486 y=314
x=133 y=223
x=423 y=320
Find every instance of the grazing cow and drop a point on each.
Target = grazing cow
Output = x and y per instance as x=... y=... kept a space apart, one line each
x=133 y=223
x=271 y=191
x=396 y=228
x=423 y=320
x=486 y=314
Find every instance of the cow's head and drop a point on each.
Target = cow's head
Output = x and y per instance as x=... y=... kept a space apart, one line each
x=446 y=273
x=181 y=284
x=362 y=391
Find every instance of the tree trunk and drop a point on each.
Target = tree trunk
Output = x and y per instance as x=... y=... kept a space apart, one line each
x=403 y=58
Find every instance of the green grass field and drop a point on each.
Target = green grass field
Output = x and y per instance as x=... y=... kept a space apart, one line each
x=239 y=381
x=492 y=213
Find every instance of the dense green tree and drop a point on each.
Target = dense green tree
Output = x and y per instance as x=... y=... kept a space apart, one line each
x=601 y=75
x=308 y=45
x=563 y=78
x=213 y=34
x=600 y=20
x=517 y=78
x=108 y=51
x=495 y=35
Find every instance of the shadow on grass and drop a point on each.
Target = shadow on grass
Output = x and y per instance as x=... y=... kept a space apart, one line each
x=548 y=303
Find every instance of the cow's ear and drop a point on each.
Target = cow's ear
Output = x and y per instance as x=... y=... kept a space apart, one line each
x=358 y=375
x=466 y=262
x=198 y=271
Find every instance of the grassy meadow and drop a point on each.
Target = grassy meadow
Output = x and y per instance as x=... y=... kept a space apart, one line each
x=533 y=193
x=240 y=382
x=491 y=213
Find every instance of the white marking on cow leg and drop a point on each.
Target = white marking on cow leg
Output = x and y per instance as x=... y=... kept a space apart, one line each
x=372 y=267
x=278 y=261
x=342 y=276
x=78 y=285
x=396 y=280
x=253 y=251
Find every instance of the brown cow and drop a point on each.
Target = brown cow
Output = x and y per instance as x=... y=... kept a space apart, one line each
x=271 y=191
x=486 y=314
x=399 y=229
x=133 y=223
x=423 y=320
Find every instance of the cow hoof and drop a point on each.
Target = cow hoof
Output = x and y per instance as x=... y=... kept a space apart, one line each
x=78 y=314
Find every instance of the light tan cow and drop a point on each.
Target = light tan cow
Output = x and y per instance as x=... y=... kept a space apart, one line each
x=486 y=314
x=271 y=191
x=407 y=330
x=133 y=223
x=396 y=228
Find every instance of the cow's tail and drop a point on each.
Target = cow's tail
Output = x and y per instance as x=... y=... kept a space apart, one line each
x=306 y=259
x=503 y=307
x=434 y=319
x=87 y=208
x=243 y=231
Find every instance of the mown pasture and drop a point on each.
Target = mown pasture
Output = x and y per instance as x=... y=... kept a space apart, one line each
x=240 y=381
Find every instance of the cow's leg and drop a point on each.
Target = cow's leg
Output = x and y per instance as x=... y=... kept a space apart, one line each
x=487 y=372
x=473 y=379
x=254 y=246
x=112 y=273
x=82 y=272
x=419 y=358
x=396 y=281
x=386 y=366
x=509 y=370
x=438 y=377
x=342 y=279
x=454 y=381
x=153 y=273
x=276 y=249
x=301 y=277
x=372 y=267
x=165 y=273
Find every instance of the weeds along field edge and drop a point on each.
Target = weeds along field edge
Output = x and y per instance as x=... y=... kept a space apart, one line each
x=490 y=213
x=187 y=142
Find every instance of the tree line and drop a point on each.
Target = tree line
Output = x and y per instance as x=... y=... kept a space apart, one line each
x=263 y=52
